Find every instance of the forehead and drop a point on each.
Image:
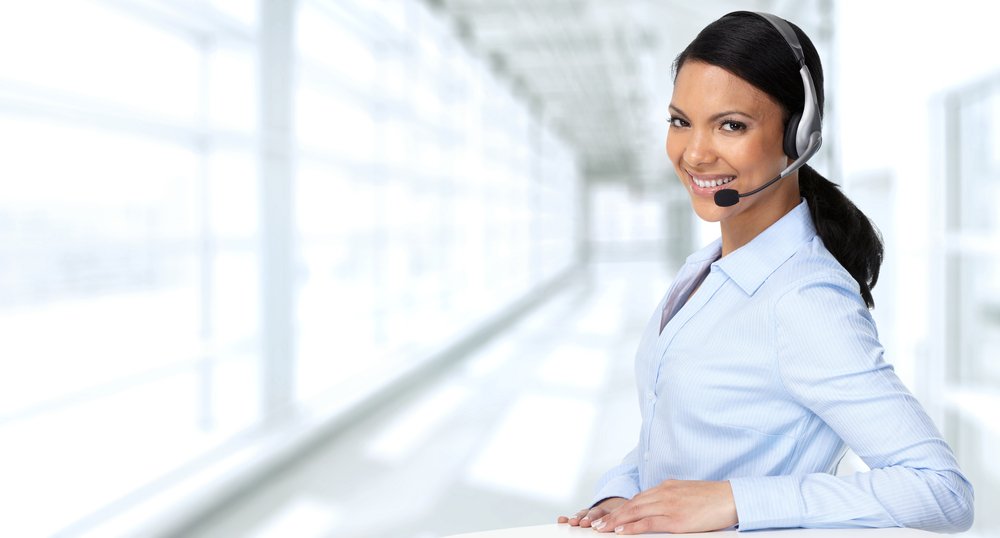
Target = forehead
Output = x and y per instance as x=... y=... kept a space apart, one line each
x=702 y=88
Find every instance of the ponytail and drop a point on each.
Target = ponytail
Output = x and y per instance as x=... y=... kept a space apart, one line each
x=847 y=233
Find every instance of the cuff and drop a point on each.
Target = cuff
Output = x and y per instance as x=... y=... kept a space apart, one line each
x=767 y=502
x=620 y=486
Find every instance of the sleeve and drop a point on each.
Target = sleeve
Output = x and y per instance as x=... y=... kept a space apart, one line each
x=621 y=481
x=829 y=359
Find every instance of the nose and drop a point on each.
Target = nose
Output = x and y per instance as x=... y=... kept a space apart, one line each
x=699 y=149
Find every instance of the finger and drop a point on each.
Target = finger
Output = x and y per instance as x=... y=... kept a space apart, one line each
x=573 y=519
x=566 y=519
x=649 y=524
x=629 y=512
x=593 y=514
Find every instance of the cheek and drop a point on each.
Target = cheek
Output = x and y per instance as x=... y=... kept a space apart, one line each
x=761 y=153
x=770 y=148
x=674 y=148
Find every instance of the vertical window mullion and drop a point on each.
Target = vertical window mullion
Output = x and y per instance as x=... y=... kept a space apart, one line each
x=207 y=250
x=276 y=61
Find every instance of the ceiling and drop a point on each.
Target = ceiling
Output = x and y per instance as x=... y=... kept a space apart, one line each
x=599 y=71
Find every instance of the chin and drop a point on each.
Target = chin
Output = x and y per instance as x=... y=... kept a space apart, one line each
x=708 y=211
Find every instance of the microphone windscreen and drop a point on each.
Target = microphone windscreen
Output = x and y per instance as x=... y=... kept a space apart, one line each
x=726 y=197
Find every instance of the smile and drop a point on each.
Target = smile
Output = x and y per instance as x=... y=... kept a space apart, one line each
x=710 y=181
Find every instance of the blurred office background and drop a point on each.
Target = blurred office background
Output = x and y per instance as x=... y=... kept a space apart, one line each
x=378 y=268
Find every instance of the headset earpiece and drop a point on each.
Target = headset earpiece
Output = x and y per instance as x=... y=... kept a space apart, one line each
x=791 y=135
x=805 y=127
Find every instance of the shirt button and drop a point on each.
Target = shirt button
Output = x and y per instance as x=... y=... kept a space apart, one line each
x=651 y=396
x=645 y=456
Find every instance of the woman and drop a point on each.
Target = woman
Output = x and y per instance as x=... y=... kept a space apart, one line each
x=763 y=364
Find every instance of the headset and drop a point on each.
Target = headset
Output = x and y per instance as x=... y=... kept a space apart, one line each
x=804 y=134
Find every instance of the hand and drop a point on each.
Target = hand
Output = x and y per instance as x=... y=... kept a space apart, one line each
x=585 y=516
x=674 y=506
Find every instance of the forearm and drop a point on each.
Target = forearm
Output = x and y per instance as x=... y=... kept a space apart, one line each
x=840 y=374
x=895 y=496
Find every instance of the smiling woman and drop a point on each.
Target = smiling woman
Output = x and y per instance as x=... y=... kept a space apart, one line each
x=762 y=364
x=732 y=138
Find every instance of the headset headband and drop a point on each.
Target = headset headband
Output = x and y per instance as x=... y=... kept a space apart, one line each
x=805 y=129
x=788 y=33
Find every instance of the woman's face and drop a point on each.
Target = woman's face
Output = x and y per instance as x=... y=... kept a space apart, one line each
x=726 y=134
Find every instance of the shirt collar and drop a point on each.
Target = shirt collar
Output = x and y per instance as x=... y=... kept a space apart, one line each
x=750 y=265
x=711 y=251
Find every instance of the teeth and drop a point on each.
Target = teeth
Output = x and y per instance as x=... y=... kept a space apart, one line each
x=709 y=183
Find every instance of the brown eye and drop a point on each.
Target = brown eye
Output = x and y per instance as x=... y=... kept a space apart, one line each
x=733 y=126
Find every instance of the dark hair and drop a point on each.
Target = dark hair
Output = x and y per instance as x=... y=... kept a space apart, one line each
x=749 y=47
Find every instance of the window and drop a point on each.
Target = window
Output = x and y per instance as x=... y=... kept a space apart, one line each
x=128 y=249
x=967 y=275
x=139 y=152
x=418 y=211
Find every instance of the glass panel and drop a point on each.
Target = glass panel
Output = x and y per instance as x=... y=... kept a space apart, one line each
x=235 y=299
x=93 y=51
x=233 y=195
x=101 y=250
x=979 y=323
x=972 y=289
x=978 y=163
x=422 y=220
x=319 y=32
x=232 y=88
x=332 y=123
x=129 y=283
x=244 y=11
x=336 y=298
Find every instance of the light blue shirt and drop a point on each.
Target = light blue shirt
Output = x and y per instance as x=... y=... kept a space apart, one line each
x=764 y=377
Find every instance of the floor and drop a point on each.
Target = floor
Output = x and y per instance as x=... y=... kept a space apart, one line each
x=516 y=434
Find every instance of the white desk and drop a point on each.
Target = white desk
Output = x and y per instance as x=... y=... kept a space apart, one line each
x=560 y=531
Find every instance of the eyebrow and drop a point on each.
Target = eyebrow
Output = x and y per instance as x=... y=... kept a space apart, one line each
x=715 y=116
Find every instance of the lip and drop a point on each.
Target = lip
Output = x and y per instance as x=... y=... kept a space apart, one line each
x=710 y=191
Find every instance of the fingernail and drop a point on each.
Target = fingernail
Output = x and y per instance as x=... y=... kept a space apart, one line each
x=619 y=529
x=599 y=524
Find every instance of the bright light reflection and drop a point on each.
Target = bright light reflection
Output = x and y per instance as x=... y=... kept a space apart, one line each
x=301 y=517
x=538 y=449
x=83 y=50
x=604 y=318
x=415 y=425
x=561 y=363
